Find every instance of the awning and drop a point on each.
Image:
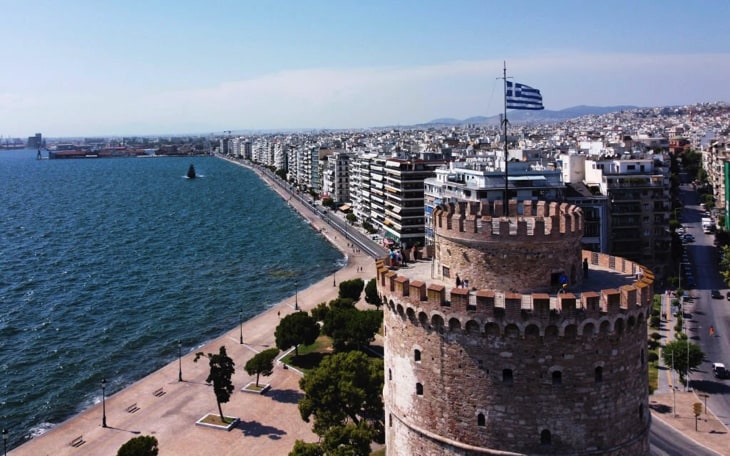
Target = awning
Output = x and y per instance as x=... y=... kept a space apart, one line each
x=345 y=207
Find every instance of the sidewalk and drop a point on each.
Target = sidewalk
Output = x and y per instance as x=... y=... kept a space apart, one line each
x=270 y=423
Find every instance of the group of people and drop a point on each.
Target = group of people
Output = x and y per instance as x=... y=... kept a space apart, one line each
x=461 y=283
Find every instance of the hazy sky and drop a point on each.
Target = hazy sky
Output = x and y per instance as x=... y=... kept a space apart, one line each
x=74 y=68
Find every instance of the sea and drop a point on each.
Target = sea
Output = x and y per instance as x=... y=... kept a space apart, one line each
x=105 y=264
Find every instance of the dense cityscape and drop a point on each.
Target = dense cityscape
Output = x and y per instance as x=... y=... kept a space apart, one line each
x=618 y=179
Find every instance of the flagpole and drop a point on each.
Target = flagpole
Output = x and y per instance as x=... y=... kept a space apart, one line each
x=505 y=202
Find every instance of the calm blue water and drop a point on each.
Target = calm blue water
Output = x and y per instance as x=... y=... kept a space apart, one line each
x=106 y=263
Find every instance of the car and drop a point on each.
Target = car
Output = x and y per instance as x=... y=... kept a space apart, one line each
x=718 y=369
x=716 y=294
x=727 y=295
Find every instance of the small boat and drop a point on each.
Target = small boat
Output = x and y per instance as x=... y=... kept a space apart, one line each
x=191 y=172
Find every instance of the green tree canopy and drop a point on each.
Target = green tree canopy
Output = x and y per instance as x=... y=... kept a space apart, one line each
x=351 y=328
x=351 y=289
x=345 y=389
x=302 y=448
x=261 y=364
x=371 y=294
x=221 y=371
x=144 y=445
x=675 y=355
x=295 y=329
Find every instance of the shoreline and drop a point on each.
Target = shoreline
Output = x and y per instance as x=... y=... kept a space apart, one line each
x=269 y=423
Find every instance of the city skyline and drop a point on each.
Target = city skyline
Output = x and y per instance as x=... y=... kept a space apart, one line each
x=84 y=69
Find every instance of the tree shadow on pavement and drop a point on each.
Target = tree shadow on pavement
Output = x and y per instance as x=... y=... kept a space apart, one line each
x=287 y=396
x=256 y=429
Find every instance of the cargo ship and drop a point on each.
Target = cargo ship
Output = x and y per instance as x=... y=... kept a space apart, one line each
x=61 y=151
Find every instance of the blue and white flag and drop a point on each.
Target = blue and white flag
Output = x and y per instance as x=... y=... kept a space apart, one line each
x=521 y=96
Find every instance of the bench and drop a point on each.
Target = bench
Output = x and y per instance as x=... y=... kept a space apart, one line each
x=78 y=441
x=159 y=392
x=132 y=408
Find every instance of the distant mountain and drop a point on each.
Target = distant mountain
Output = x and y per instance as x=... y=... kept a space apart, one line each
x=517 y=116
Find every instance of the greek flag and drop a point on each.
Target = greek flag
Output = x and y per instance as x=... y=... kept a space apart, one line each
x=521 y=96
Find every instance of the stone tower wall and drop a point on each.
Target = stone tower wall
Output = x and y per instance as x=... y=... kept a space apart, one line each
x=482 y=373
x=524 y=251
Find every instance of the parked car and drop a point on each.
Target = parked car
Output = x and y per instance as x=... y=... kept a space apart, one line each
x=718 y=369
x=716 y=294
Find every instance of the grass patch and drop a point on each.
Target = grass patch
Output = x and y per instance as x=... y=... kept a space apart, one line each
x=378 y=453
x=216 y=420
x=310 y=355
x=653 y=377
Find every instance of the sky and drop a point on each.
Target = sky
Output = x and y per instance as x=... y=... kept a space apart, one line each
x=129 y=67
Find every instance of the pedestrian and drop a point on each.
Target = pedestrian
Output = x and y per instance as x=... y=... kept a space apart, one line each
x=585 y=267
x=466 y=283
x=458 y=281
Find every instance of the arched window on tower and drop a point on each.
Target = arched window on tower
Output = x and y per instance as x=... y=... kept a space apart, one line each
x=557 y=378
x=390 y=374
x=419 y=389
x=545 y=437
x=481 y=421
x=598 y=374
x=507 y=376
x=417 y=355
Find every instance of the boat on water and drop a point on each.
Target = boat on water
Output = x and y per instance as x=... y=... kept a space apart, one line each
x=191 y=172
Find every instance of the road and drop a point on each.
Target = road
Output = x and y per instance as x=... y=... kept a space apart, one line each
x=706 y=311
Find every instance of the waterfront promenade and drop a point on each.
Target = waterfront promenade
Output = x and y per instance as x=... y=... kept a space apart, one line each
x=269 y=424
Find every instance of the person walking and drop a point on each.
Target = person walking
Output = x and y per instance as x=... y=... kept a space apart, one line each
x=458 y=281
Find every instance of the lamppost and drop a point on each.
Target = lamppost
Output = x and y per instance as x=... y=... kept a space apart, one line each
x=240 y=324
x=179 y=361
x=334 y=274
x=5 y=442
x=296 y=295
x=103 y=402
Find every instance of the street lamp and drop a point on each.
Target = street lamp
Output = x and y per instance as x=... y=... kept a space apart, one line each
x=240 y=323
x=179 y=361
x=334 y=274
x=103 y=402
x=296 y=295
x=5 y=442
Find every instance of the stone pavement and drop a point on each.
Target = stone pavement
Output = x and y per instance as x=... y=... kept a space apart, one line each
x=270 y=423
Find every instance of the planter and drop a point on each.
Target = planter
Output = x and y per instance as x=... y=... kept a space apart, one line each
x=252 y=388
x=213 y=420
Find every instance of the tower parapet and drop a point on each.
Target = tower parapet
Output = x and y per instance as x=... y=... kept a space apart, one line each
x=528 y=250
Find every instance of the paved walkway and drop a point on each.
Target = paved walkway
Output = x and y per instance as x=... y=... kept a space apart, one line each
x=269 y=424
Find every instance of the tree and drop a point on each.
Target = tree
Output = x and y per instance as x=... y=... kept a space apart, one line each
x=345 y=389
x=144 y=445
x=351 y=289
x=351 y=328
x=295 y=329
x=371 y=294
x=221 y=371
x=261 y=364
x=302 y=448
x=351 y=218
x=675 y=354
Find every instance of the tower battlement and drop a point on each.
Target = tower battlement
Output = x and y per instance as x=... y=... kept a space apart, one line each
x=540 y=220
x=543 y=352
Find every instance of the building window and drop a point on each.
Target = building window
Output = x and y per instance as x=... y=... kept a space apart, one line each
x=598 y=374
x=507 y=376
x=390 y=374
x=481 y=421
x=417 y=355
x=390 y=419
x=419 y=389
x=557 y=378
x=545 y=437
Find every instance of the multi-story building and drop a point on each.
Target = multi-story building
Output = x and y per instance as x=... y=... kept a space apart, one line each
x=472 y=182
x=335 y=175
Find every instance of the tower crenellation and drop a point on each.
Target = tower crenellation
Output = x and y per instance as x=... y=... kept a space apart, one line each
x=544 y=352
